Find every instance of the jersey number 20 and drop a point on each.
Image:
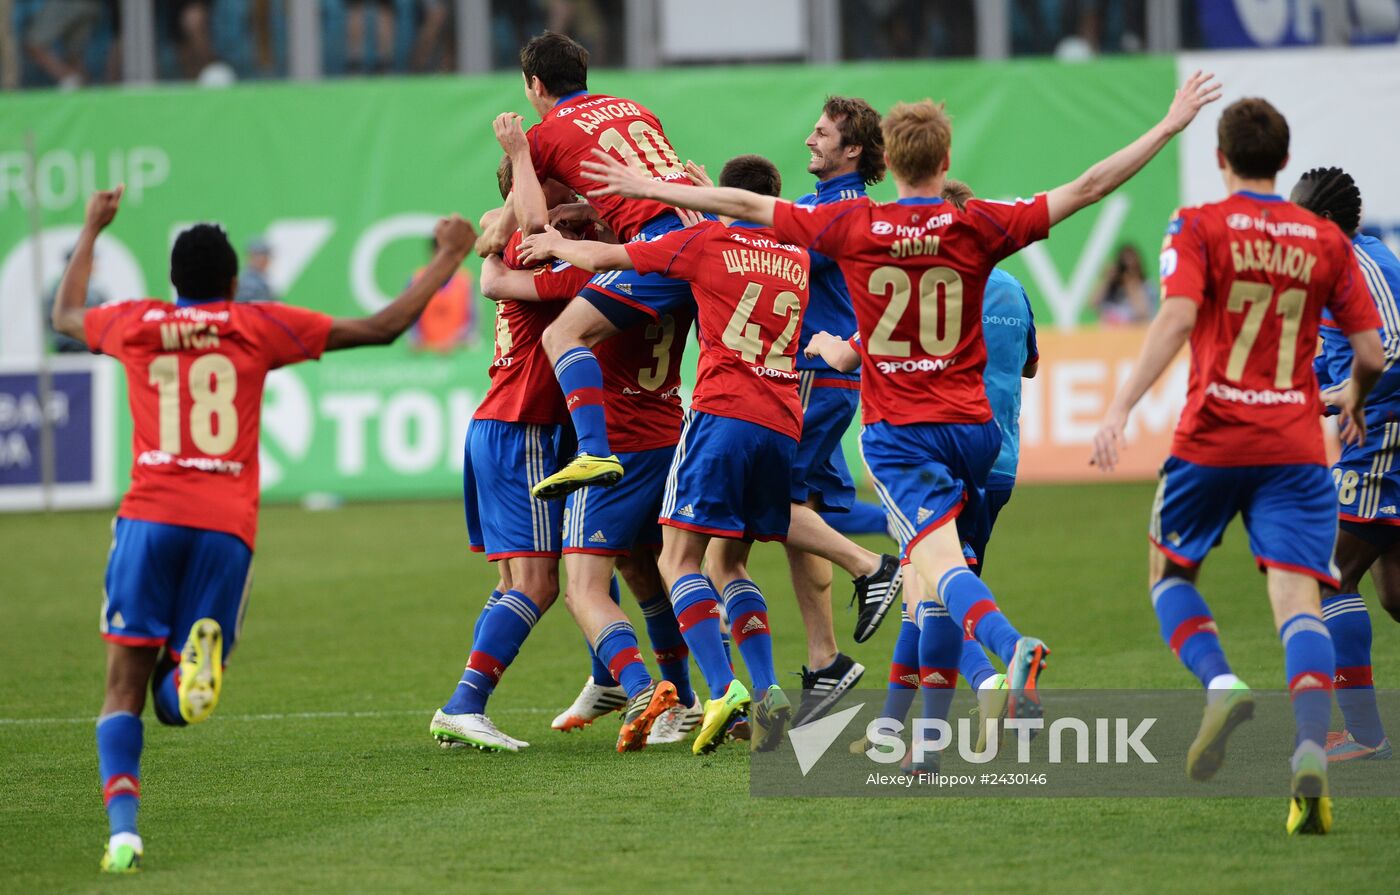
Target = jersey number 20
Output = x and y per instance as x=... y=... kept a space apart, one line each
x=213 y=419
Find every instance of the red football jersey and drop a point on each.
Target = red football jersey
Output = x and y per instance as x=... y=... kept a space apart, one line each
x=1261 y=270
x=642 y=383
x=916 y=271
x=750 y=290
x=566 y=138
x=195 y=384
x=523 y=388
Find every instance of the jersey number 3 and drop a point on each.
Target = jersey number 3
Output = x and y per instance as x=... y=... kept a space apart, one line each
x=213 y=418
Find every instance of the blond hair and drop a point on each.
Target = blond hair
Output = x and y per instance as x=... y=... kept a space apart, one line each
x=917 y=138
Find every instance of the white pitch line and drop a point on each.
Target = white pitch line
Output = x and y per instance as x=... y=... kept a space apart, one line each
x=275 y=716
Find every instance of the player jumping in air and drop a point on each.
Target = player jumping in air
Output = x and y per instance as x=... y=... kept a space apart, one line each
x=573 y=125
x=1246 y=280
x=730 y=476
x=1368 y=485
x=182 y=550
x=916 y=270
x=607 y=527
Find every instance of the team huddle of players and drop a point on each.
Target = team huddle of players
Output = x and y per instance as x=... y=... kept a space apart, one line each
x=608 y=250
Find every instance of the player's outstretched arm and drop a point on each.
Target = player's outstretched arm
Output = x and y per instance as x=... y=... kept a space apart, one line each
x=618 y=179
x=836 y=351
x=1111 y=173
x=70 y=305
x=454 y=238
x=1168 y=332
x=584 y=253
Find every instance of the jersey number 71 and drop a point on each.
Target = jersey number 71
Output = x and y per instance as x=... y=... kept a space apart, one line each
x=1253 y=300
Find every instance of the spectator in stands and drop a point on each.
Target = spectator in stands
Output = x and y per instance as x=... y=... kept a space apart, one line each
x=188 y=23
x=67 y=24
x=355 y=36
x=252 y=279
x=437 y=28
x=450 y=319
x=1124 y=295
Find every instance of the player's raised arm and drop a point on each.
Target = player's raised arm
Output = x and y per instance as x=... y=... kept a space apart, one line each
x=619 y=179
x=583 y=253
x=454 y=237
x=527 y=196
x=1168 y=332
x=1111 y=173
x=69 y=306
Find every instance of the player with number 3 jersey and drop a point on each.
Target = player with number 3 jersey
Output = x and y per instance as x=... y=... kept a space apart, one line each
x=730 y=476
x=181 y=559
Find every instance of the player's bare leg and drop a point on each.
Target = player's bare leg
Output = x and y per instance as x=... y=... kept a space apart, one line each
x=1385 y=575
x=119 y=743
x=569 y=342
x=811 y=585
x=876 y=577
x=613 y=639
x=462 y=721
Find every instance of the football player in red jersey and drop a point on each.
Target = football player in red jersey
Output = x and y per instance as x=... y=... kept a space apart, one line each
x=182 y=550
x=917 y=269
x=574 y=124
x=1247 y=279
x=731 y=475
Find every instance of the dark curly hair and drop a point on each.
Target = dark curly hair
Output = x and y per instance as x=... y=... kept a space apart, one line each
x=859 y=125
x=1332 y=194
x=203 y=263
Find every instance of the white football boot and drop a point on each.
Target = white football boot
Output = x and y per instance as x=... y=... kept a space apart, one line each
x=676 y=723
x=476 y=731
x=593 y=702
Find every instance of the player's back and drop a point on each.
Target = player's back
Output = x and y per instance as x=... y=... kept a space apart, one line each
x=1381 y=271
x=917 y=271
x=642 y=382
x=1008 y=327
x=567 y=136
x=1262 y=270
x=195 y=376
x=523 y=386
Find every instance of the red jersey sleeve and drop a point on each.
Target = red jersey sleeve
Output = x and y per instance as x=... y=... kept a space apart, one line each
x=1183 y=262
x=676 y=255
x=104 y=324
x=290 y=334
x=1008 y=227
x=1351 y=304
x=560 y=282
x=822 y=228
x=541 y=151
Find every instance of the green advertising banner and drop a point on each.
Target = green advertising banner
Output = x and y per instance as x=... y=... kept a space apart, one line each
x=344 y=180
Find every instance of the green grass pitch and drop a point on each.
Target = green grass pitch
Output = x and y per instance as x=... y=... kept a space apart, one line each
x=318 y=771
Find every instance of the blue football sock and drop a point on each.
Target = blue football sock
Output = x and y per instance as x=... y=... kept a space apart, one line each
x=617 y=646
x=940 y=648
x=672 y=655
x=904 y=671
x=602 y=675
x=1309 y=662
x=119 y=741
x=481 y=616
x=748 y=625
x=581 y=380
x=971 y=606
x=167 y=699
x=1350 y=626
x=504 y=630
x=973 y=665
x=697 y=613
x=1189 y=629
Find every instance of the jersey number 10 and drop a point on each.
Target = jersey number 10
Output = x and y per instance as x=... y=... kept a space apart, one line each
x=213 y=419
x=661 y=159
